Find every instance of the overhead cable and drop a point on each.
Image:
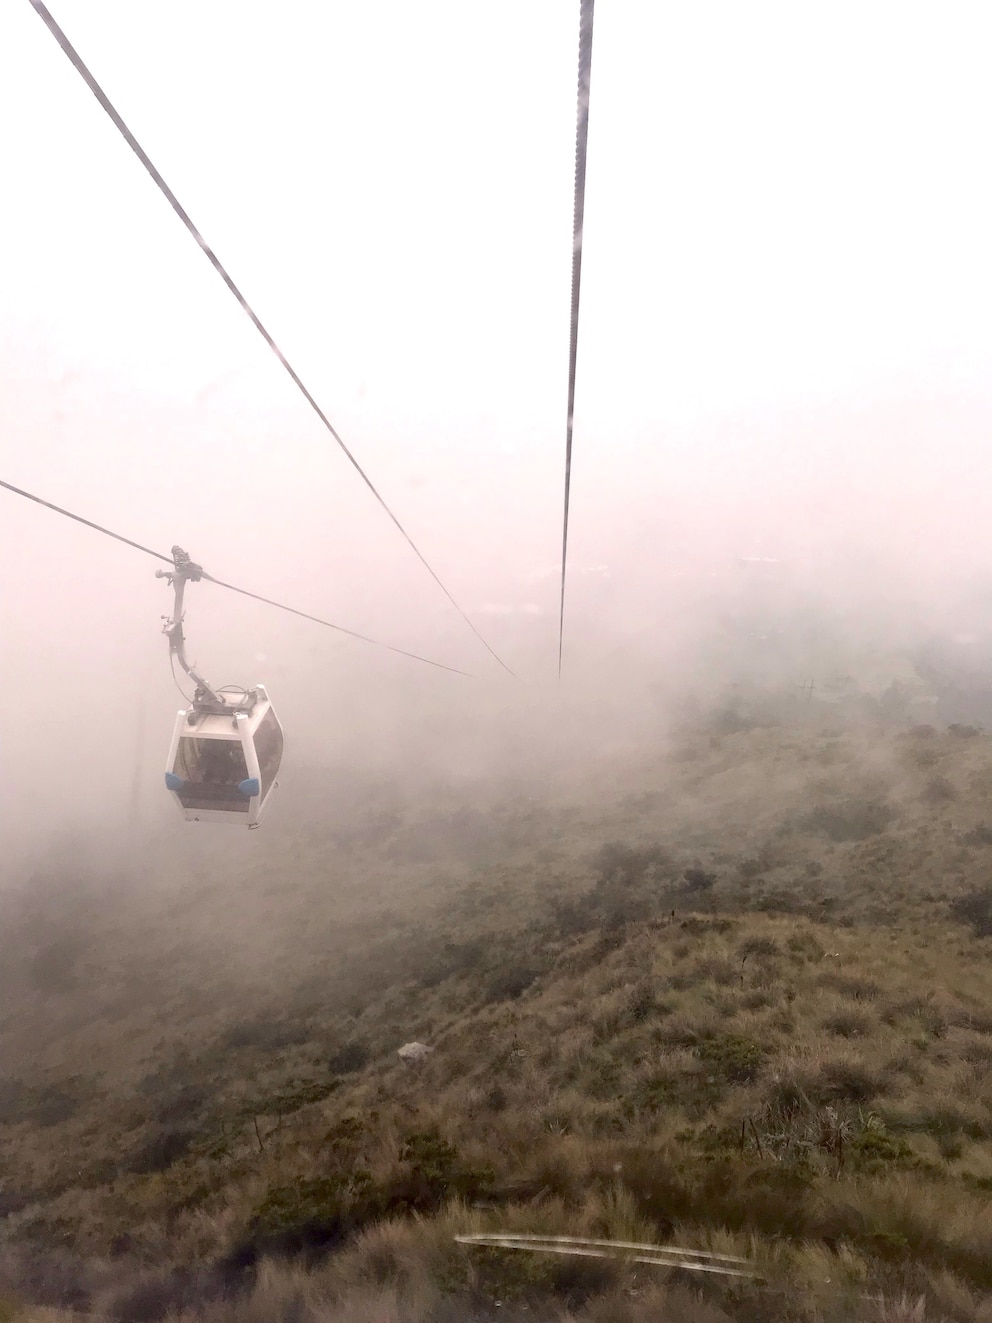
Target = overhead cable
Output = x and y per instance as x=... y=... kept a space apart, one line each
x=221 y=270
x=578 y=220
x=18 y=491
x=328 y=625
x=281 y=606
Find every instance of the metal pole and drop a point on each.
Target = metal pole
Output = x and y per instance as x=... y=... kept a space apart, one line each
x=174 y=627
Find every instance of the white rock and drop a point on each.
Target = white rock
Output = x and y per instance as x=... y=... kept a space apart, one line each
x=414 y=1052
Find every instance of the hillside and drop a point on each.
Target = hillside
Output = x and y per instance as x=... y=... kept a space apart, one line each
x=732 y=993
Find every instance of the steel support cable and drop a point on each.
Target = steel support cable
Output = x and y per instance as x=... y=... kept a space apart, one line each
x=281 y=606
x=101 y=96
x=327 y=624
x=578 y=220
x=18 y=491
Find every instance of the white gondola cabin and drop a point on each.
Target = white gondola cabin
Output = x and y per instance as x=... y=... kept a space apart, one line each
x=224 y=758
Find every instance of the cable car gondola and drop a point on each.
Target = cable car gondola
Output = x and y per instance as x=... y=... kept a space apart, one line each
x=227 y=745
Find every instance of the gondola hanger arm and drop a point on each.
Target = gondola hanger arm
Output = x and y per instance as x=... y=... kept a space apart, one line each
x=184 y=569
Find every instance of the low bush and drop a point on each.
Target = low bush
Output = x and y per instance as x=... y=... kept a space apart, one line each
x=266 y=1033
x=848 y=1024
x=851 y=819
x=44 y=1105
x=348 y=1058
x=164 y=1147
x=975 y=908
x=845 y=1080
x=315 y=1213
x=735 y=1059
x=511 y=981
x=628 y=865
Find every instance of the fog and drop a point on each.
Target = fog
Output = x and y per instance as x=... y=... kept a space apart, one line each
x=780 y=456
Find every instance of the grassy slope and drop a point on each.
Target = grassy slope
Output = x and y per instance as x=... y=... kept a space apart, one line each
x=795 y=1065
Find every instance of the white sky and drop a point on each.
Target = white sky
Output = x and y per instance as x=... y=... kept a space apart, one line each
x=786 y=203
x=787 y=271
x=782 y=198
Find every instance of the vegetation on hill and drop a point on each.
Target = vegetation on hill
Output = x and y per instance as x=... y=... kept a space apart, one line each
x=735 y=996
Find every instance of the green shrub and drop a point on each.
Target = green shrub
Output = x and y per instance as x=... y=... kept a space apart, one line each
x=348 y=1058
x=628 y=865
x=295 y=1095
x=53 y=969
x=975 y=908
x=651 y=1096
x=872 y=1149
x=890 y=1245
x=938 y=790
x=314 y=1213
x=165 y=1147
x=346 y=1135
x=844 y=1081
x=448 y=959
x=759 y=948
x=641 y=1004
x=182 y=1104
x=496 y=1098
x=267 y=1033
x=503 y=1275
x=736 y=1059
x=856 y=986
x=511 y=981
x=434 y=1173
x=848 y=1024
x=697 y=879
x=44 y=1105
x=786 y=1099
x=852 y=819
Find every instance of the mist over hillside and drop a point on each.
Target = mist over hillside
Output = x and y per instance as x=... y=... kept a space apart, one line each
x=765 y=754
x=767 y=912
x=660 y=612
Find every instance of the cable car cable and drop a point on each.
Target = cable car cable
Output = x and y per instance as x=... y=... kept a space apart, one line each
x=578 y=218
x=281 y=606
x=81 y=68
x=18 y=491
